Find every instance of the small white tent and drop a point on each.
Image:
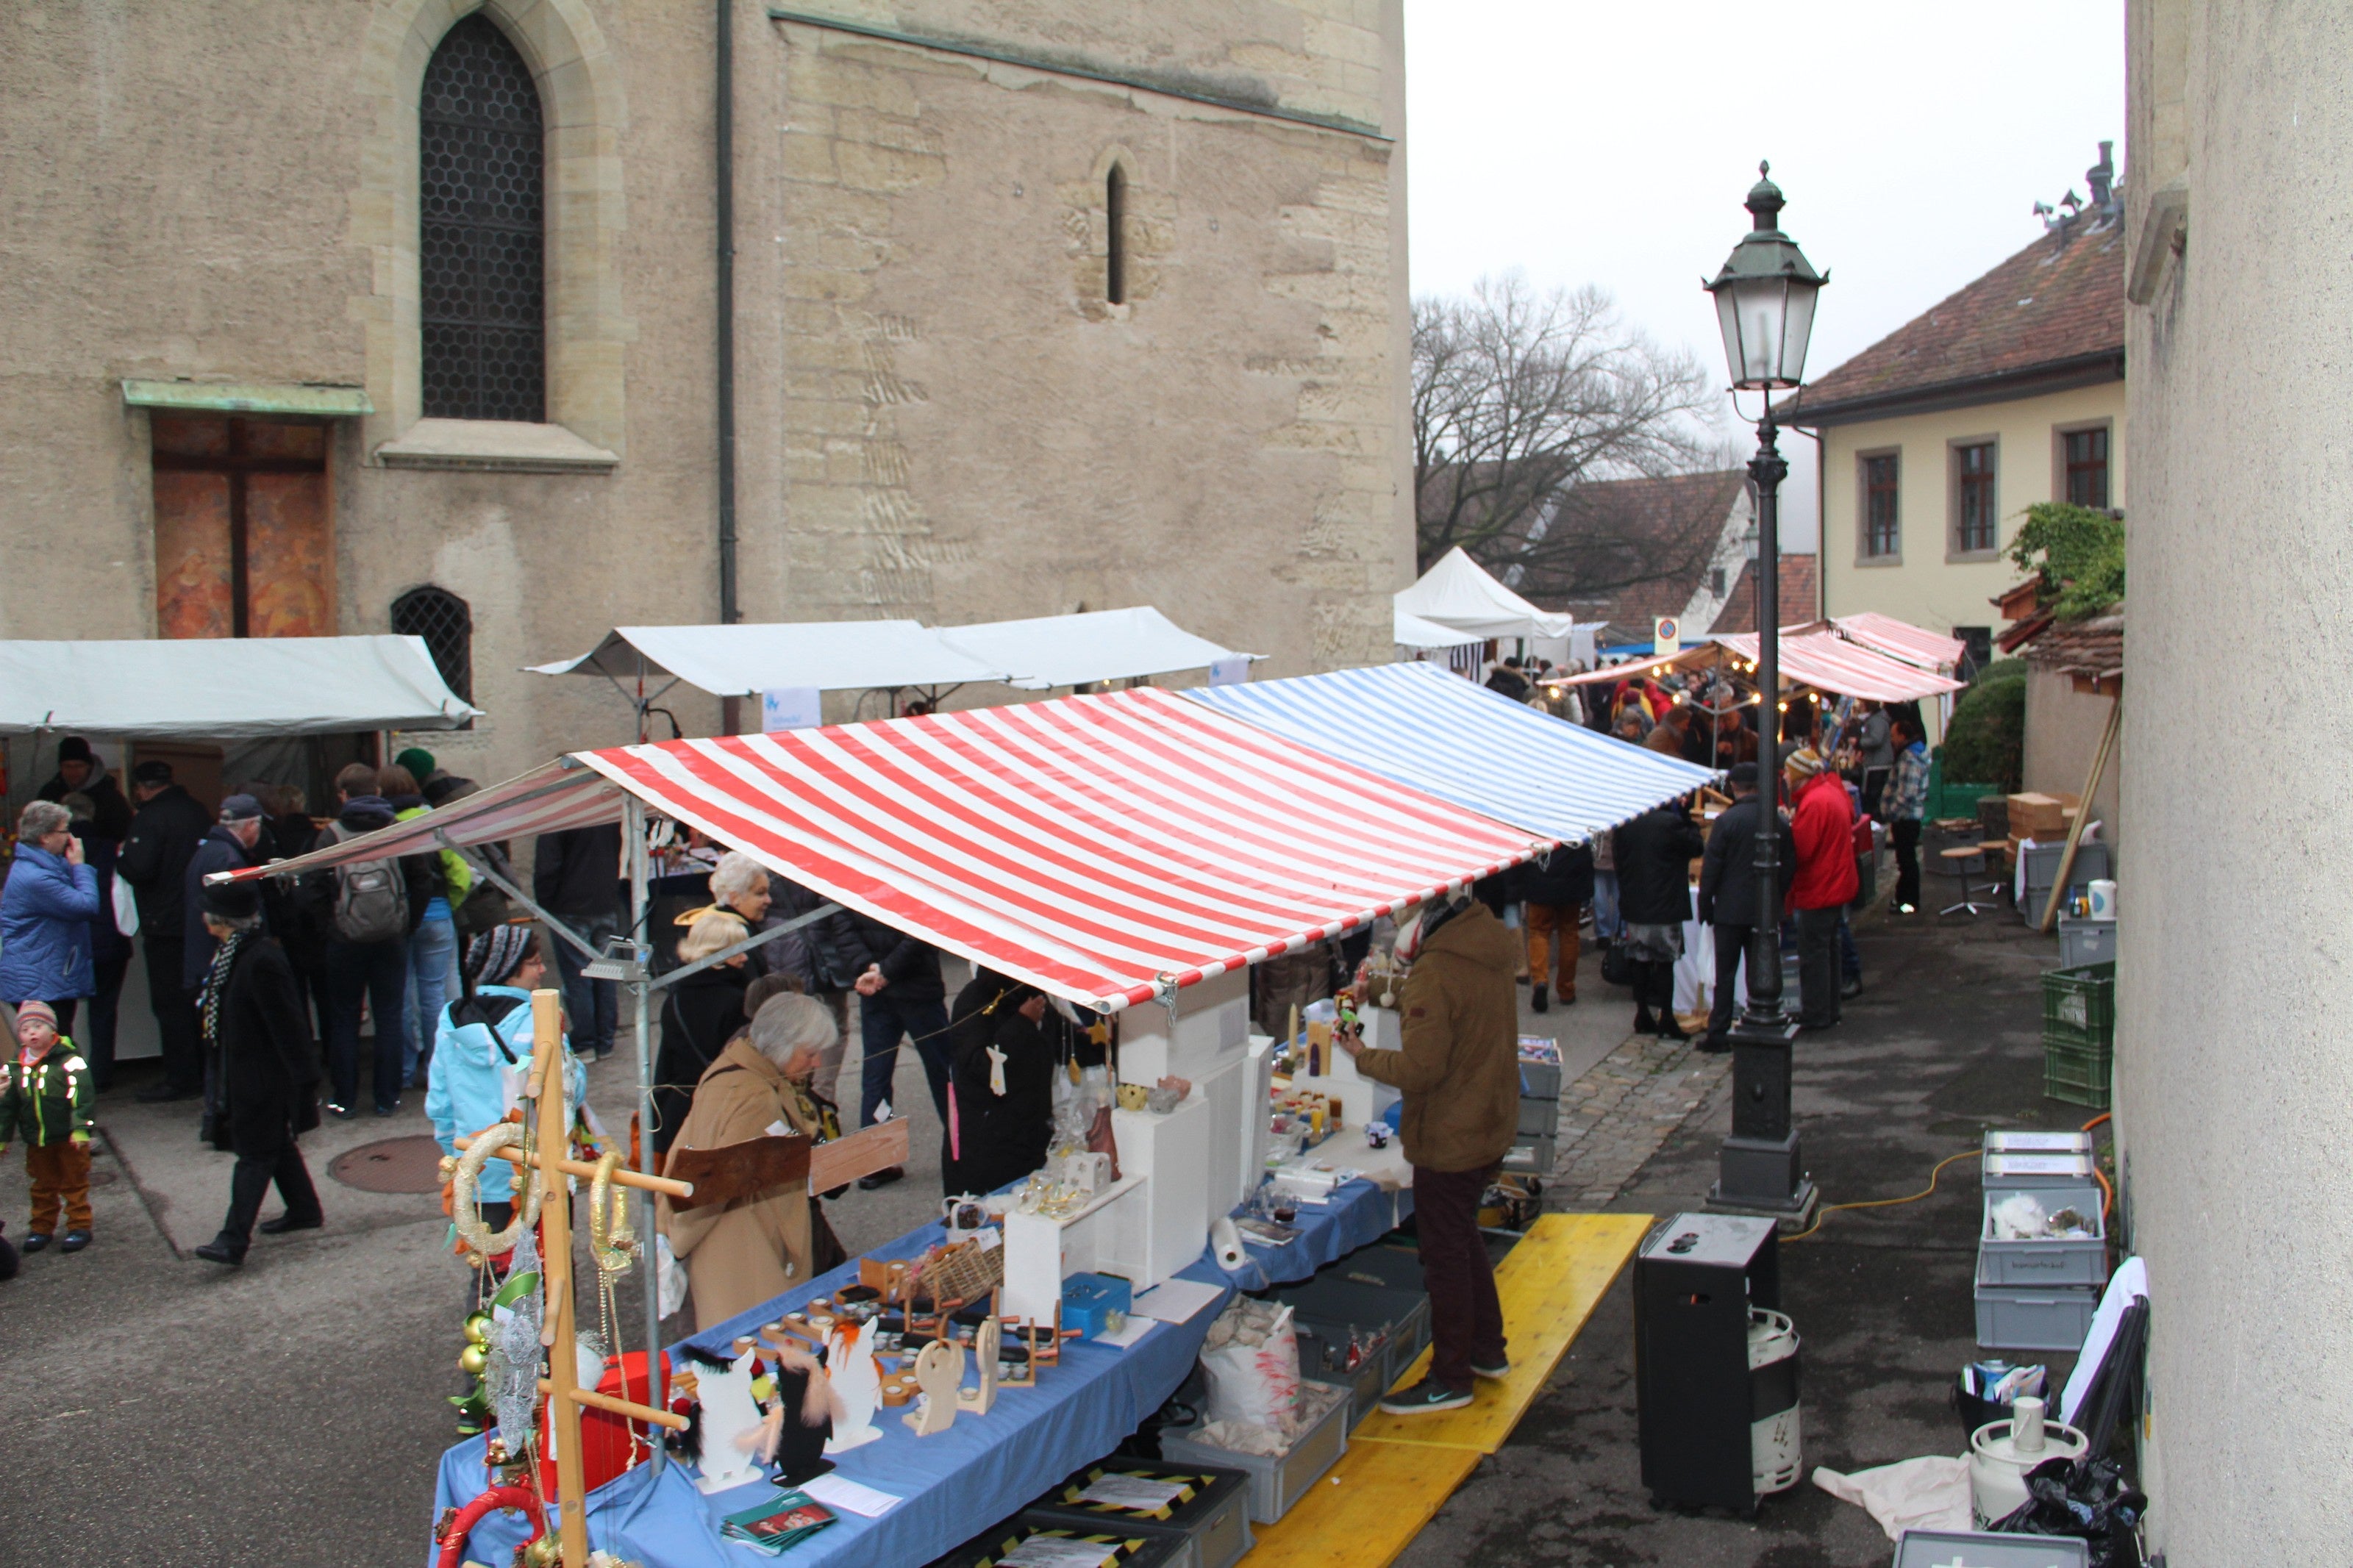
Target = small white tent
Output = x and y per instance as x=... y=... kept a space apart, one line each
x=1458 y=593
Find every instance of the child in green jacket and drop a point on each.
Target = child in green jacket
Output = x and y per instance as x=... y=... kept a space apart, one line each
x=44 y=1097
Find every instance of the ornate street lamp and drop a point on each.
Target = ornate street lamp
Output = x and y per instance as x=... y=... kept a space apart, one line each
x=1764 y=305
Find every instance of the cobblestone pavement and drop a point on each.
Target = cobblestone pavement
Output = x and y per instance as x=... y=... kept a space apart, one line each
x=1615 y=1118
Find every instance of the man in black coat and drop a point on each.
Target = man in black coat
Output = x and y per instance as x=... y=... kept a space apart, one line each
x=575 y=876
x=164 y=834
x=900 y=995
x=268 y=1074
x=1553 y=898
x=1728 y=896
x=228 y=847
x=1655 y=855
x=80 y=773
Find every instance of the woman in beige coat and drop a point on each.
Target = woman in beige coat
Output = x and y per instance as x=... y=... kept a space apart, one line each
x=740 y=1254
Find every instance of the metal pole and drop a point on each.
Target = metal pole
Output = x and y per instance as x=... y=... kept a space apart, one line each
x=1760 y=1170
x=1768 y=468
x=633 y=827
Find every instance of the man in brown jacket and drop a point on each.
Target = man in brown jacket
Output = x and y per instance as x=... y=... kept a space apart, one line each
x=1459 y=1067
x=741 y=1253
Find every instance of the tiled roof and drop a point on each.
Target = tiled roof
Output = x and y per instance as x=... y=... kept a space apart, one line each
x=1800 y=597
x=1680 y=516
x=2091 y=650
x=2057 y=303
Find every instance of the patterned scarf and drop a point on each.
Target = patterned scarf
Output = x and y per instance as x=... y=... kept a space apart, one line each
x=216 y=981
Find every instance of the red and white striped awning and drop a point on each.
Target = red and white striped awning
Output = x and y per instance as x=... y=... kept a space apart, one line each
x=1827 y=662
x=1902 y=641
x=1107 y=848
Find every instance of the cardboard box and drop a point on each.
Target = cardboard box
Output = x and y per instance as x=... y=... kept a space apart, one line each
x=2033 y=815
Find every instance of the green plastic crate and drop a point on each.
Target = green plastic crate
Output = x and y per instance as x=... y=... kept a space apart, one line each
x=2077 y=1076
x=2080 y=1003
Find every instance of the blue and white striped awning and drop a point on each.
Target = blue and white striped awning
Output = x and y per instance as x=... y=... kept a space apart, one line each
x=1418 y=725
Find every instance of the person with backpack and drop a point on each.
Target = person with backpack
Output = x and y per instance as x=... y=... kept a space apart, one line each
x=433 y=934
x=368 y=908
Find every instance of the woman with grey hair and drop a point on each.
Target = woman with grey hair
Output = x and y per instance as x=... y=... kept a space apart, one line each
x=45 y=914
x=741 y=1253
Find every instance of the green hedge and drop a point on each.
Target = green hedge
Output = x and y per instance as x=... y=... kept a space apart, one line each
x=1987 y=738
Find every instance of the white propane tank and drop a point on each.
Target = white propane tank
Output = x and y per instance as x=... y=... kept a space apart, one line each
x=2001 y=1452
x=1773 y=1435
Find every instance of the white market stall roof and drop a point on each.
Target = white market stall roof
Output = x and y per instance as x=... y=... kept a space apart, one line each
x=1436 y=731
x=225 y=688
x=1819 y=658
x=1459 y=593
x=1413 y=631
x=1109 y=848
x=744 y=660
x=1902 y=639
x=1092 y=646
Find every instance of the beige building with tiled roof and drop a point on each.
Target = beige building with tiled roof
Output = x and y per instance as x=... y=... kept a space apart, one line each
x=1938 y=437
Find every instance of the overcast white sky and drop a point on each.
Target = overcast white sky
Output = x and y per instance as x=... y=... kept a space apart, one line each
x=1592 y=142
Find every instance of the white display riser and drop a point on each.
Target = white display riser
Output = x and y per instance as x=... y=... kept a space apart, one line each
x=1211 y=1025
x=1172 y=1153
x=1041 y=1252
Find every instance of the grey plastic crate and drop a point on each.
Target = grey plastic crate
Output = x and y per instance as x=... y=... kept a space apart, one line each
x=1159 y=1549
x=2092 y=864
x=1531 y=1153
x=1215 y=1523
x=2016 y=1318
x=1275 y=1482
x=2054 y=1170
x=1539 y=1116
x=1943 y=1548
x=1540 y=1080
x=1366 y=1385
x=2083 y=940
x=1329 y=1309
x=2044 y=1263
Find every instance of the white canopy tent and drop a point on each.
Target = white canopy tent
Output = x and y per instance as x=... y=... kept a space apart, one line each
x=1460 y=594
x=745 y=661
x=224 y=689
x=1413 y=631
x=1090 y=648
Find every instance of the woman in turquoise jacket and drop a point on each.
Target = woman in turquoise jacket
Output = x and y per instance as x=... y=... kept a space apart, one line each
x=482 y=1049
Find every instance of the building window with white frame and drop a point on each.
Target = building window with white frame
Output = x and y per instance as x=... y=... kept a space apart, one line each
x=1975 y=531
x=1883 y=532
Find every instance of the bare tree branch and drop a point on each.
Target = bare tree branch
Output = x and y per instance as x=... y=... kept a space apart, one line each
x=1519 y=398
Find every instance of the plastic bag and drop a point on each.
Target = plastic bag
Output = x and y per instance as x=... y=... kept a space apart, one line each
x=2084 y=1499
x=671 y=1274
x=1251 y=1357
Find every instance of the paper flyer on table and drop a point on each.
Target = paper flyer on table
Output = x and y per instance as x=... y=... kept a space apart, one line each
x=1175 y=1301
x=1127 y=1333
x=837 y=1490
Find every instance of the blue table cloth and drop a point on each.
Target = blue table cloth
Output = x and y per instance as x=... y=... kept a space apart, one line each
x=956 y=1484
x=1359 y=1213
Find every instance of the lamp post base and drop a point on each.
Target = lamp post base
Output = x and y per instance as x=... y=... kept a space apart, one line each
x=1759 y=1170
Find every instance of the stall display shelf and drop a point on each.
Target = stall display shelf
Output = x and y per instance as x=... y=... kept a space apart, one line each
x=1276 y=1482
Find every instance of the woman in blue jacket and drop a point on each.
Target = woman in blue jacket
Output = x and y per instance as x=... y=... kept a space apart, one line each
x=481 y=1055
x=45 y=915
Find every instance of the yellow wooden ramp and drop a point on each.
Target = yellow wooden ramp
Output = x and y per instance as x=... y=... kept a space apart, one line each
x=1399 y=1469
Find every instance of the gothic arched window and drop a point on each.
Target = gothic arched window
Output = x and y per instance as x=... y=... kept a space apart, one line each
x=481 y=252
x=442 y=619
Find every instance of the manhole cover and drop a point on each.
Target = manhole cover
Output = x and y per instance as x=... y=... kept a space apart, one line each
x=411 y=1164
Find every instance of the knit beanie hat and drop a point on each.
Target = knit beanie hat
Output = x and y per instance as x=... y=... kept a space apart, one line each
x=494 y=955
x=36 y=1010
x=1804 y=763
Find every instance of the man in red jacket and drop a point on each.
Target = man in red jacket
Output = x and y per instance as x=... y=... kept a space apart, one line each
x=1821 y=824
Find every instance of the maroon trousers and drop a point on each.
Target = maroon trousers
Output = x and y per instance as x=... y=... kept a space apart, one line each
x=1466 y=1320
